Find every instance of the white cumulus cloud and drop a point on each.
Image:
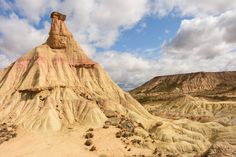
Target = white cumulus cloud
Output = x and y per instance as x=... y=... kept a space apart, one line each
x=195 y=8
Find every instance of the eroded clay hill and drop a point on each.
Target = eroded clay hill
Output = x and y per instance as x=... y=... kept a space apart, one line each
x=203 y=96
x=56 y=102
x=56 y=85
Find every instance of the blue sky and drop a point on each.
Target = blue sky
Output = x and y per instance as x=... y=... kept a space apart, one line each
x=145 y=39
x=150 y=33
x=134 y=40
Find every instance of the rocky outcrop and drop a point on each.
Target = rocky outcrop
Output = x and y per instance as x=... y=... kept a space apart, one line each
x=56 y=85
x=190 y=83
x=7 y=132
x=59 y=36
x=221 y=149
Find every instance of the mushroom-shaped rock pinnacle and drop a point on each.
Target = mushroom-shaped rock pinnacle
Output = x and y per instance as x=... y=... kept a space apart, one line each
x=59 y=35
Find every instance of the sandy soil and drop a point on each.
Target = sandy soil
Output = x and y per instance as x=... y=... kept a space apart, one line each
x=67 y=143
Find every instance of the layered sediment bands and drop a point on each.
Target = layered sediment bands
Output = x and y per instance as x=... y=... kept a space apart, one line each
x=207 y=100
x=45 y=90
x=197 y=96
x=56 y=85
x=190 y=83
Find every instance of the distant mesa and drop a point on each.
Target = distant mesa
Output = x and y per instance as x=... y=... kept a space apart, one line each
x=201 y=96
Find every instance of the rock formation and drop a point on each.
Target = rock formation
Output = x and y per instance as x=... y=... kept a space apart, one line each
x=221 y=149
x=198 y=96
x=55 y=101
x=56 y=85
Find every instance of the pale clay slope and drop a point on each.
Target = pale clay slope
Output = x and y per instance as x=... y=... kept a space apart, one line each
x=195 y=108
x=199 y=96
x=47 y=88
x=56 y=86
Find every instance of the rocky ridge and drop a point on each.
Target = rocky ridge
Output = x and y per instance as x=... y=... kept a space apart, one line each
x=202 y=96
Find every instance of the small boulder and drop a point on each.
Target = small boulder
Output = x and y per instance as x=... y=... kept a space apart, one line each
x=118 y=134
x=109 y=113
x=93 y=148
x=90 y=129
x=107 y=122
x=140 y=125
x=127 y=125
x=124 y=134
x=13 y=135
x=105 y=126
x=136 y=141
x=157 y=152
x=88 y=142
x=89 y=135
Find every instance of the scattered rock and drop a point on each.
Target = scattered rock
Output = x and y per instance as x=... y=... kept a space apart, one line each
x=90 y=129
x=93 y=148
x=157 y=152
x=152 y=135
x=127 y=125
x=110 y=114
x=13 y=135
x=118 y=134
x=134 y=141
x=89 y=135
x=124 y=134
x=129 y=149
x=88 y=142
x=118 y=126
x=105 y=126
x=7 y=132
x=171 y=155
x=140 y=125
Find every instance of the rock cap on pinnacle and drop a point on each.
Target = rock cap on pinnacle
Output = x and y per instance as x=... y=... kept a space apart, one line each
x=58 y=15
x=59 y=35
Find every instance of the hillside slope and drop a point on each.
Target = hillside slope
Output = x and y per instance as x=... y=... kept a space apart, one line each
x=56 y=85
x=198 y=96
